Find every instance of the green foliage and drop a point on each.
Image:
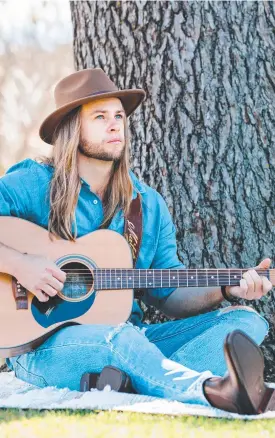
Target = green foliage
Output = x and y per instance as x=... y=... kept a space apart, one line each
x=101 y=424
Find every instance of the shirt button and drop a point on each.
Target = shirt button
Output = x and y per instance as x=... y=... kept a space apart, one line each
x=95 y=201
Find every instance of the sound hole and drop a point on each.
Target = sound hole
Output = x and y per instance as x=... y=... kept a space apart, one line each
x=79 y=280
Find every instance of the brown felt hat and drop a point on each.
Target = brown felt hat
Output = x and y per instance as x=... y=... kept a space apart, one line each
x=82 y=87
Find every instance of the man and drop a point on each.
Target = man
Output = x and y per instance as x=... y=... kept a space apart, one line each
x=85 y=185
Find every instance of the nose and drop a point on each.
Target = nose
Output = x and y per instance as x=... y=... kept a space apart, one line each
x=114 y=126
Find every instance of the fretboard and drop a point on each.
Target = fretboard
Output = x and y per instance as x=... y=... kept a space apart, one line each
x=165 y=278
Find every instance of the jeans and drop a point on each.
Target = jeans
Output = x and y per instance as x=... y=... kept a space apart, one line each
x=169 y=360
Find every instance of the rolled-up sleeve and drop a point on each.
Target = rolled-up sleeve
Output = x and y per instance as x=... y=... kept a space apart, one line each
x=166 y=251
x=17 y=190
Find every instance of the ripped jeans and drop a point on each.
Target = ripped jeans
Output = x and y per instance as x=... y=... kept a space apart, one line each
x=169 y=360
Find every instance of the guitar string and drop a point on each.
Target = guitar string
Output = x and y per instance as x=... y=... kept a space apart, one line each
x=108 y=280
x=167 y=269
x=161 y=273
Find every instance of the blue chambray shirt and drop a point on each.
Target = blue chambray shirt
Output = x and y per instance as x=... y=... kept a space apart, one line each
x=24 y=194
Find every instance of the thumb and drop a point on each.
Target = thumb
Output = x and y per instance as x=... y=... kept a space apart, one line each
x=265 y=264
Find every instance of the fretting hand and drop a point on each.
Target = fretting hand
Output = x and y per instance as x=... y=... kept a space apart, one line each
x=252 y=286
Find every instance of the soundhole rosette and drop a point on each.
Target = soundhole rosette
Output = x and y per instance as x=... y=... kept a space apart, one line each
x=79 y=284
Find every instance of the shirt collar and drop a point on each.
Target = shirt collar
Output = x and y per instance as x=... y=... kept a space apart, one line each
x=138 y=186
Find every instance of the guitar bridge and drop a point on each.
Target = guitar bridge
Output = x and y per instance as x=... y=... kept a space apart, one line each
x=20 y=295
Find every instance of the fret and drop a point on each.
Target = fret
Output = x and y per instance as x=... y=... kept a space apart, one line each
x=197 y=278
x=139 y=278
x=235 y=276
x=107 y=285
x=191 y=275
x=133 y=276
x=184 y=278
x=101 y=278
x=124 y=278
x=212 y=277
x=106 y=279
x=114 y=279
x=206 y=277
x=119 y=277
x=150 y=282
x=161 y=278
x=225 y=277
x=175 y=280
x=109 y=278
x=153 y=278
x=202 y=282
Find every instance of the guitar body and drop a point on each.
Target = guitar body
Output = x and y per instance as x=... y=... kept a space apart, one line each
x=23 y=329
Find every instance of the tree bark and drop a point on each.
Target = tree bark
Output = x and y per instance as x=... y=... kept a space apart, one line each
x=203 y=137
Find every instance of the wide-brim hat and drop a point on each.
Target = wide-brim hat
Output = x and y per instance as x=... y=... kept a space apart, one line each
x=82 y=87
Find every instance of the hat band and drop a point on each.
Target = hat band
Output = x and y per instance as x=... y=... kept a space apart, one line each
x=100 y=92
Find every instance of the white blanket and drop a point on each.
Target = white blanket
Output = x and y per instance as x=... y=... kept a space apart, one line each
x=15 y=393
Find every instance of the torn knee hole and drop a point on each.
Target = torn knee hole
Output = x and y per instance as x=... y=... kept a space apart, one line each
x=120 y=327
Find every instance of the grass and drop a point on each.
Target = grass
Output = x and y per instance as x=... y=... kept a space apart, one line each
x=82 y=424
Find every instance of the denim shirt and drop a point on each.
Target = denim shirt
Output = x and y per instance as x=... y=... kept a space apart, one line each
x=24 y=194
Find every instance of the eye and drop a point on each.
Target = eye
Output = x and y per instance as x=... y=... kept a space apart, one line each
x=117 y=115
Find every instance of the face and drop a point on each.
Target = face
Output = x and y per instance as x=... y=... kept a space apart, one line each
x=102 y=129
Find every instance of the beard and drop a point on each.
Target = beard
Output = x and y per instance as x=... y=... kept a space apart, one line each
x=96 y=151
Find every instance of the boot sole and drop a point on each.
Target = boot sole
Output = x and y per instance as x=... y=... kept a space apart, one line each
x=246 y=367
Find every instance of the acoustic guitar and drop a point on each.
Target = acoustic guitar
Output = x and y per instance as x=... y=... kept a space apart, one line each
x=99 y=285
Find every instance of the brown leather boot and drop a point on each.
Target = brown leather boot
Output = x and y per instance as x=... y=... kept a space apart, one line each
x=242 y=389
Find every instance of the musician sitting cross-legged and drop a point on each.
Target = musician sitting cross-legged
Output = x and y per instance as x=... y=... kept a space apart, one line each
x=79 y=233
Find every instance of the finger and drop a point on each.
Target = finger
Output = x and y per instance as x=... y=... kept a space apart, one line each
x=250 y=285
x=240 y=291
x=49 y=290
x=265 y=264
x=41 y=296
x=57 y=273
x=53 y=282
x=258 y=284
x=267 y=285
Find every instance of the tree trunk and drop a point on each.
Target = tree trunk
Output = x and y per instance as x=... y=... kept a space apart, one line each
x=203 y=137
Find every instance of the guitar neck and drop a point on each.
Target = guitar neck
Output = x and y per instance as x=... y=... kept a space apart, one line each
x=174 y=278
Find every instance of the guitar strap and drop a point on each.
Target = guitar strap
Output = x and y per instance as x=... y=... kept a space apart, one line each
x=133 y=233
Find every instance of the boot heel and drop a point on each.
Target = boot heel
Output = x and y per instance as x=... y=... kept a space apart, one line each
x=268 y=402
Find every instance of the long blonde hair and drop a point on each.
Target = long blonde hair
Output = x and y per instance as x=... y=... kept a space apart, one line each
x=65 y=184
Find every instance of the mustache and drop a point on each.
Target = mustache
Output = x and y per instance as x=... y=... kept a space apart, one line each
x=96 y=151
